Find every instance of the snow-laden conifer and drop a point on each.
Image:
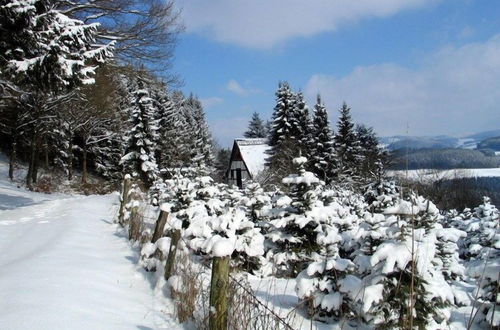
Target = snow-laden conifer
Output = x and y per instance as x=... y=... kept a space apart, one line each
x=347 y=147
x=43 y=48
x=256 y=127
x=140 y=146
x=294 y=221
x=324 y=162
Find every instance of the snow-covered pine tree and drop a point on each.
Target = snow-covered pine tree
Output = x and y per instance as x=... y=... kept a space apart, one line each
x=139 y=153
x=347 y=147
x=292 y=231
x=373 y=156
x=304 y=127
x=373 y=285
x=43 y=48
x=283 y=133
x=171 y=151
x=328 y=285
x=108 y=150
x=200 y=139
x=324 y=163
x=256 y=128
x=257 y=202
x=213 y=213
x=414 y=288
x=204 y=144
x=481 y=251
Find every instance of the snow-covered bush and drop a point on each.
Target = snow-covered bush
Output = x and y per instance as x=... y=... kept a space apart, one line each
x=294 y=222
x=480 y=248
x=229 y=234
x=395 y=256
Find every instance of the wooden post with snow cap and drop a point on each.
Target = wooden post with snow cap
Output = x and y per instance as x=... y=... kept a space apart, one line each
x=124 y=199
x=134 y=231
x=174 y=242
x=219 y=286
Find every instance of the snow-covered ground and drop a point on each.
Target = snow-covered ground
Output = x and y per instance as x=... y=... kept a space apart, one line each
x=64 y=265
x=434 y=175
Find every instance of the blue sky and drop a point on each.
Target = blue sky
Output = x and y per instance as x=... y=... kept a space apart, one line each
x=434 y=64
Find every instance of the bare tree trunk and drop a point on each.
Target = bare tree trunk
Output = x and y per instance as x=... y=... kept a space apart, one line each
x=31 y=167
x=36 y=164
x=46 y=150
x=12 y=159
x=70 y=159
x=84 y=164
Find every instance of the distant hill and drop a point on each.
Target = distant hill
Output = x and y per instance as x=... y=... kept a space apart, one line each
x=484 y=135
x=492 y=143
x=419 y=142
x=443 y=159
x=437 y=142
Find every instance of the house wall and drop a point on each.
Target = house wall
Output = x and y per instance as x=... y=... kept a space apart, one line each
x=237 y=164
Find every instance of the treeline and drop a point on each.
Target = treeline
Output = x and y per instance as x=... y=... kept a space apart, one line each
x=441 y=159
x=75 y=91
x=491 y=143
x=459 y=193
x=350 y=156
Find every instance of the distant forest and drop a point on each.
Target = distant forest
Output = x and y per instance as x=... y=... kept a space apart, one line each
x=443 y=159
x=460 y=193
x=491 y=143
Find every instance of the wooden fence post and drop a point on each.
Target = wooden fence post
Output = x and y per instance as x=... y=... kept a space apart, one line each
x=124 y=200
x=160 y=226
x=174 y=241
x=134 y=230
x=219 y=288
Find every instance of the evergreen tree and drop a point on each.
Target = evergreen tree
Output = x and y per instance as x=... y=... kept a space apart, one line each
x=304 y=127
x=139 y=154
x=322 y=150
x=347 y=147
x=221 y=163
x=373 y=155
x=46 y=50
x=256 y=128
x=283 y=133
x=293 y=226
x=201 y=139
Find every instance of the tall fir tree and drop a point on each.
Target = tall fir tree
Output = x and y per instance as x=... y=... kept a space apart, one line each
x=282 y=136
x=324 y=162
x=44 y=49
x=373 y=155
x=256 y=128
x=347 y=147
x=201 y=150
x=140 y=151
x=304 y=127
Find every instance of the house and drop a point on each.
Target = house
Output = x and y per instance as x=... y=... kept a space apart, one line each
x=248 y=159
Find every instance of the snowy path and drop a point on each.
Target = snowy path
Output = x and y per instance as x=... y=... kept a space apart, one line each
x=63 y=266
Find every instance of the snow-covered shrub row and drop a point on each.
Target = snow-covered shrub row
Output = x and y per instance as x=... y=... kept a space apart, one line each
x=480 y=250
x=380 y=259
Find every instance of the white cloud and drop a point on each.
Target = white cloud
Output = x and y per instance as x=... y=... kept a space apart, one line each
x=211 y=101
x=265 y=23
x=236 y=88
x=226 y=130
x=456 y=90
